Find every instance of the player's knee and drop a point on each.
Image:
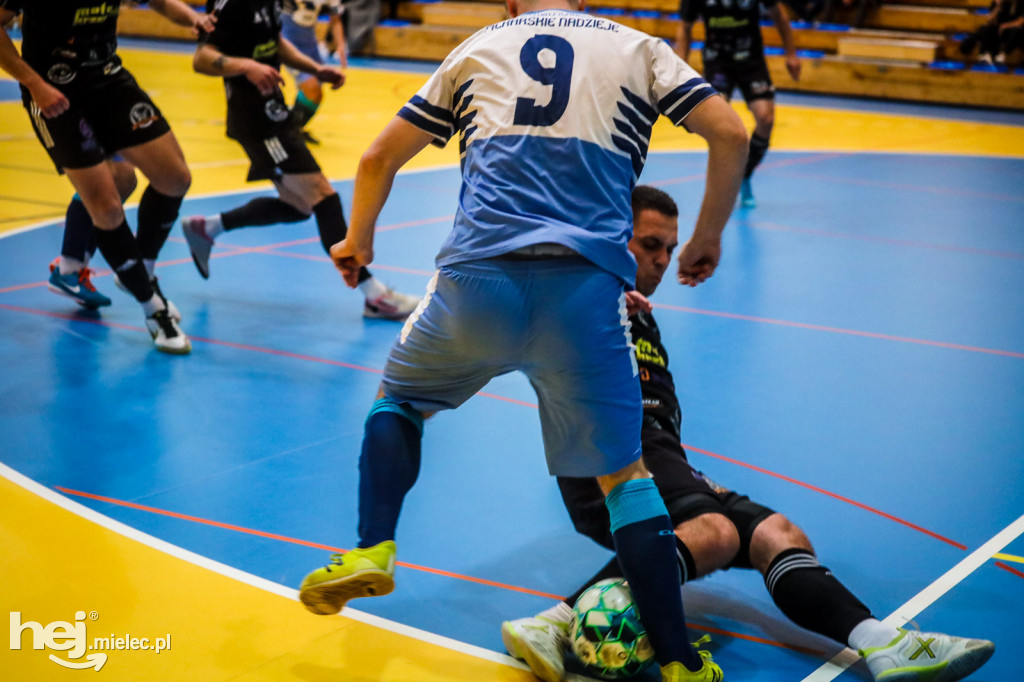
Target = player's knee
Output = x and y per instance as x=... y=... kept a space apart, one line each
x=712 y=540
x=125 y=179
x=106 y=212
x=179 y=181
x=774 y=535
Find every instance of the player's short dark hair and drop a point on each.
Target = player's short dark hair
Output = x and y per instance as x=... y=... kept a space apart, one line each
x=647 y=197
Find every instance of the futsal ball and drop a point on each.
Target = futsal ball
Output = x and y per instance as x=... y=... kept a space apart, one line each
x=606 y=633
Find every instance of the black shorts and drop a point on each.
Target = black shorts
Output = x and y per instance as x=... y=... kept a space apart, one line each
x=751 y=76
x=687 y=494
x=277 y=152
x=106 y=114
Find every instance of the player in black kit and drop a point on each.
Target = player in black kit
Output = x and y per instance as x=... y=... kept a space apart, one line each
x=717 y=528
x=247 y=50
x=85 y=107
x=734 y=56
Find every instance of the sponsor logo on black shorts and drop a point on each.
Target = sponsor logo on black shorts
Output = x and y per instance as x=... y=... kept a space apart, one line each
x=61 y=74
x=276 y=111
x=142 y=115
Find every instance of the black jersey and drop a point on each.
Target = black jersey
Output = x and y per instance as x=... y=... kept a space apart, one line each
x=67 y=41
x=247 y=28
x=732 y=28
x=250 y=29
x=661 y=407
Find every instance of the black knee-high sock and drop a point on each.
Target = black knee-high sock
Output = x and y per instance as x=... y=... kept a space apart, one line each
x=330 y=222
x=121 y=252
x=687 y=570
x=811 y=597
x=261 y=211
x=758 y=148
x=78 y=232
x=389 y=465
x=644 y=543
x=157 y=213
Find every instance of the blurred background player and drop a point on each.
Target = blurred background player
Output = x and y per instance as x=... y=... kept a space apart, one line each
x=84 y=107
x=247 y=50
x=733 y=57
x=69 y=273
x=717 y=528
x=298 y=26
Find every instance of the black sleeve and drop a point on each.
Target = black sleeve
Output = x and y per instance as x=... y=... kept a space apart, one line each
x=689 y=10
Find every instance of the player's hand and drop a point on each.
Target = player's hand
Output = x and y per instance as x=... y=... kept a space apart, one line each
x=265 y=77
x=698 y=260
x=349 y=260
x=793 y=65
x=203 y=23
x=637 y=302
x=49 y=99
x=329 y=74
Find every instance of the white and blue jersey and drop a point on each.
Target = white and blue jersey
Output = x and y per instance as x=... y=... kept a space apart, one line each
x=554 y=111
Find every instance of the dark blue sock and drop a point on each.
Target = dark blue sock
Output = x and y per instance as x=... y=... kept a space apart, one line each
x=78 y=232
x=388 y=467
x=646 y=548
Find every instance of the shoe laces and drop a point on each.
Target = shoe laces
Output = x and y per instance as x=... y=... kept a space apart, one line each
x=84 y=278
x=336 y=560
x=166 y=324
x=704 y=654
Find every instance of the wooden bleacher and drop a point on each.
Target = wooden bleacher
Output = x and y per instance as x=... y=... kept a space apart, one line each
x=901 y=51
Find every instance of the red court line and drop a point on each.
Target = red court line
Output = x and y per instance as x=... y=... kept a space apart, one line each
x=415 y=567
x=493 y=396
x=827 y=493
x=293 y=541
x=761 y=640
x=839 y=330
x=1011 y=569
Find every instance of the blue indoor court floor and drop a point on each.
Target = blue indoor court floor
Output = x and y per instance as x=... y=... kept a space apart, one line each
x=857 y=363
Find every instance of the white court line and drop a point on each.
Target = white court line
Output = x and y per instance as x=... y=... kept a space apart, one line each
x=926 y=597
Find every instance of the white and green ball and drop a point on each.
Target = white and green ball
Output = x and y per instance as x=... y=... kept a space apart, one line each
x=606 y=633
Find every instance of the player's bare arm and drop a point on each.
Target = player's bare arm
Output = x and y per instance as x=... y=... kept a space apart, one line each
x=782 y=25
x=684 y=38
x=337 y=30
x=49 y=99
x=291 y=56
x=210 y=61
x=718 y=124
x=183 y=15
x=393 y=148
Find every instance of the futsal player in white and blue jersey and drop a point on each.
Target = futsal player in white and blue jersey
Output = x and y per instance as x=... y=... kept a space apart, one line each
x=553 y=110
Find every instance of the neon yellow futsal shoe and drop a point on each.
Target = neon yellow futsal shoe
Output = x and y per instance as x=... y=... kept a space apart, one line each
x=927 y=657
x=357 y=573
x=709 y=672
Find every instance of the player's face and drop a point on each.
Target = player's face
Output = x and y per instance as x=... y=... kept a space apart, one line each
x=654 y=240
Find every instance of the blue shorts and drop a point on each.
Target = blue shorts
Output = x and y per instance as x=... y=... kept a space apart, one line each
x=304 y=39
x=562 y=322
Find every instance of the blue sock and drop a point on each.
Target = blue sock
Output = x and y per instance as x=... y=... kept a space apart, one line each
x=388 y=467
x=646 y=547
x=79 y=242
